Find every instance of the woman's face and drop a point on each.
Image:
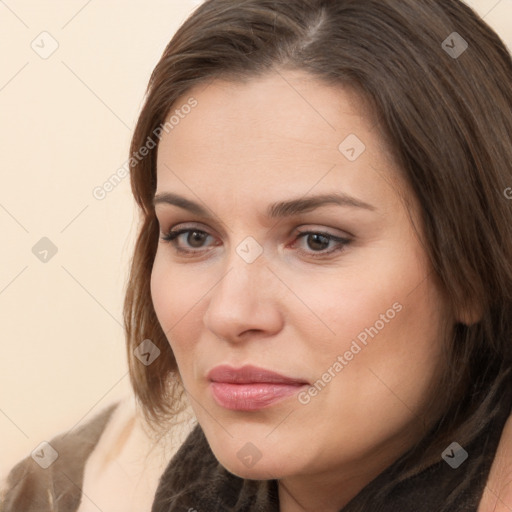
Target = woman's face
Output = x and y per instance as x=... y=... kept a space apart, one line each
x=298 y=257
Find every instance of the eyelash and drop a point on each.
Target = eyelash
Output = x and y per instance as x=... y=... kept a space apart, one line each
x=172 y=235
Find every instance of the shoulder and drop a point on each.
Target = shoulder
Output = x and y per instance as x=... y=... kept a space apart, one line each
x=113 y=462
x=124 y=470
x=47 y=478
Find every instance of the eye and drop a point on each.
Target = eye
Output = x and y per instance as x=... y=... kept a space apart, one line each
x=318 y=242
x=195 y=239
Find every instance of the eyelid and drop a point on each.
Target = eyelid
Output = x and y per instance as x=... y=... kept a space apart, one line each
x=192 y=226
x=322 y=228
x=172 y=219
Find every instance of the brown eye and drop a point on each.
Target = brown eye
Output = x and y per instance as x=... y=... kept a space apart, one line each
x=196 y=238
x=318 y=244
x=188 y=240
x=317 y=241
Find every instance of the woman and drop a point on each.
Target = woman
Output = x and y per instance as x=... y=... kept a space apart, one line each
x=324 y=261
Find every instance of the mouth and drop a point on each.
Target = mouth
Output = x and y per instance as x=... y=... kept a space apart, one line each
x=251 y=388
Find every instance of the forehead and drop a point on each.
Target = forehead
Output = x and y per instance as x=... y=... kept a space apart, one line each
x=285 y=129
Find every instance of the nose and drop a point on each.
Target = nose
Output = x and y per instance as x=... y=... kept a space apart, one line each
x=245 y=303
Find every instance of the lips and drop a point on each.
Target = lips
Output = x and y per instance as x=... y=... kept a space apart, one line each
x=250 y=375
x=250 y=388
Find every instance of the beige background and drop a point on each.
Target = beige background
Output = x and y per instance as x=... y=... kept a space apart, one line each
x=66 y=122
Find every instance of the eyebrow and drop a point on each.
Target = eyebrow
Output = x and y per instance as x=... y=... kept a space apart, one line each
x=280 y=209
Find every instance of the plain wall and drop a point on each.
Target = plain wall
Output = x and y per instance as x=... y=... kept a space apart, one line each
x=66 y=122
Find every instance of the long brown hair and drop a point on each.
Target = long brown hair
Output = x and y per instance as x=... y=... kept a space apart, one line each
x=446 y=116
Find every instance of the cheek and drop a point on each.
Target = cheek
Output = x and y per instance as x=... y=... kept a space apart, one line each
x=177 y=300
x=399 y=359
x=389 y=320
x=344 y=306
x=163 y=293
x=176 y=297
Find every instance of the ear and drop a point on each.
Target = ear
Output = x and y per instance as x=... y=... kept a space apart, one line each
x=470 y=312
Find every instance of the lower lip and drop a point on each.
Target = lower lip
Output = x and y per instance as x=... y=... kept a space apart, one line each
x=251 y=397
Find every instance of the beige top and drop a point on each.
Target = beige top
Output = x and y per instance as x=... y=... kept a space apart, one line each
x=122 y=473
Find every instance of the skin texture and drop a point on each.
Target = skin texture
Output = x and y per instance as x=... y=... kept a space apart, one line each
x=295 y=308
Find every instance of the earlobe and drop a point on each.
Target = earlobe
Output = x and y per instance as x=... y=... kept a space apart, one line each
x=470 y=314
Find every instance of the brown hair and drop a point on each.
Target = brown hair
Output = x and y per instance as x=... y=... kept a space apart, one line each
x=447 y=119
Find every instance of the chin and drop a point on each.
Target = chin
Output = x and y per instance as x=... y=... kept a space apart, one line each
x=254 y=460
x=260 y=470
x=248 y=462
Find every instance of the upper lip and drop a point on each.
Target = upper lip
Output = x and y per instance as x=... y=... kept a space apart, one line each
x=249 y=374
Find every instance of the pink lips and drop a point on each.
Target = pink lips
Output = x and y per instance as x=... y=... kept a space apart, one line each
x=250 y=388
